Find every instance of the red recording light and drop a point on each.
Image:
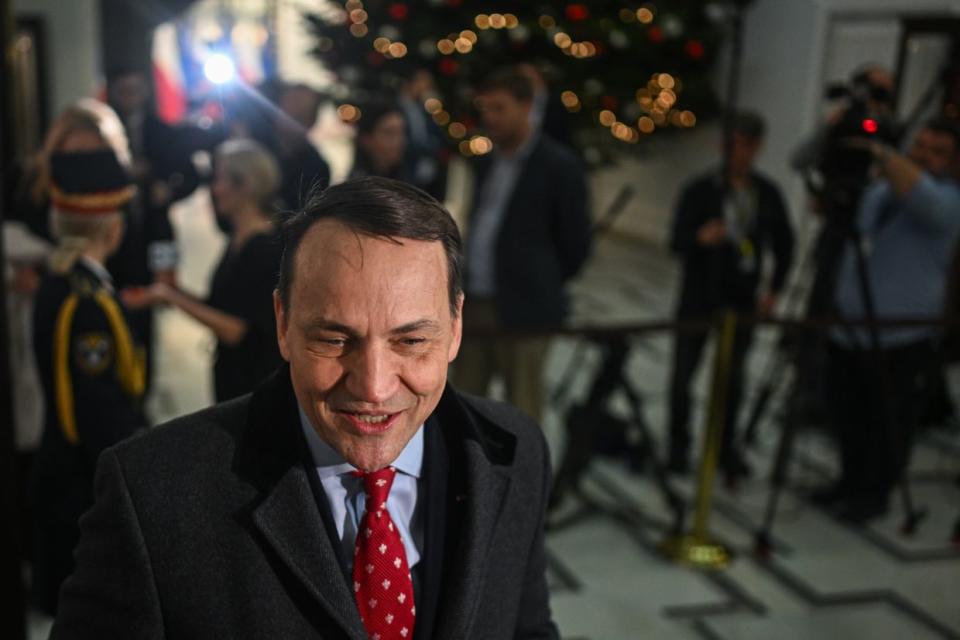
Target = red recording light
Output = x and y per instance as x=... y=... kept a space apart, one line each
x=870 y=125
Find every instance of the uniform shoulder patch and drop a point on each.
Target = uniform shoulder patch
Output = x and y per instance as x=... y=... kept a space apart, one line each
x=93 y=352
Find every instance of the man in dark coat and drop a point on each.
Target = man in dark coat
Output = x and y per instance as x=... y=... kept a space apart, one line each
x=243 y=520
x=529 y=234
x=723 y=229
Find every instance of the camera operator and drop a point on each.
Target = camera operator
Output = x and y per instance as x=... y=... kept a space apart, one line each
x=871 y=88
x=836 y=177
x=907 y=224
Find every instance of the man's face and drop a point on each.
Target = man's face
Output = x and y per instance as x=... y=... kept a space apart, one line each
x=387 y=142
x=301 y=105
x=420 y=84
x=935 y=152
x=504 y=117
x=129 y=93
x=368 y=335
x=743 y=152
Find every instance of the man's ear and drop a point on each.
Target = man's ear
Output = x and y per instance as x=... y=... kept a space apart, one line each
x=281 y=317
x=457 y=330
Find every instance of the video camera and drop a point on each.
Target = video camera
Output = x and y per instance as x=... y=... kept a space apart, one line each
x=843 y=168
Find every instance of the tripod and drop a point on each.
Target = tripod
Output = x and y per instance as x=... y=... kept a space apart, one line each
x=912 y=515
x=582 y=427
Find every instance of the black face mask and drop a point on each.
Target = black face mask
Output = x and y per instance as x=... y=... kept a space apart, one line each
x=88 y=172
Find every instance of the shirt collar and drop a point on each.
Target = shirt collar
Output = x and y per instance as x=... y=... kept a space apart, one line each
x=522 y=151
x=330 y=463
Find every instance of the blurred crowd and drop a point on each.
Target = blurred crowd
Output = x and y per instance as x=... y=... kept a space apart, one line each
x=92 y=252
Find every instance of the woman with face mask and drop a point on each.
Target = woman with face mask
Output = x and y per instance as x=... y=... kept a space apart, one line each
x=91 y=367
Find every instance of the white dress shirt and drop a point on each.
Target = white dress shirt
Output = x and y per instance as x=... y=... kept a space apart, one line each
x=347 y=499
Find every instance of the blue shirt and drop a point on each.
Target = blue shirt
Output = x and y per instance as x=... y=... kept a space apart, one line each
x=908 y=243
x=347 y=500
x=492 y=202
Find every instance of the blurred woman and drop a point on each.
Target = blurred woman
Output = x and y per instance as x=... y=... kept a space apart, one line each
x=91 y=367
x=381 y=144
x=239 y=308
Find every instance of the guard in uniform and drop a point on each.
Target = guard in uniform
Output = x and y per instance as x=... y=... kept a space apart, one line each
x=90 y=365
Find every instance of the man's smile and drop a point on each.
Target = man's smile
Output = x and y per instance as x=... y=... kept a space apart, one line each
x=370 y=422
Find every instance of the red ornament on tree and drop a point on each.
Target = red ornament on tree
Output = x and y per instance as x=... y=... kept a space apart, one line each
x=375 y=59
x=399 y=11
x=694 y=49
x=655 y=34
x=454 y=3
x=448 y=66
x=577 y=12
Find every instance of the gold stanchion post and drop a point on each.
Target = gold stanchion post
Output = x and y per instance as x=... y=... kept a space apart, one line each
x=696 y=548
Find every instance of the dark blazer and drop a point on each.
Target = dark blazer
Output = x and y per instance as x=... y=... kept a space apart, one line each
x=214 y=526
x=544 y=238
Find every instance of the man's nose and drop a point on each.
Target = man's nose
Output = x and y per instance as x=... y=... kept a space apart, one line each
x=372 y=375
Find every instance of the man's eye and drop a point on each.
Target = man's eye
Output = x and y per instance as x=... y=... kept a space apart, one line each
x=334 y=342
x=412 y=342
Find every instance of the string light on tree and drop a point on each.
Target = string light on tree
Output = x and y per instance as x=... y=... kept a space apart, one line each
x=481 y=145
x=348 y=113
x=397 y=50
x=571 y=101
x=446 y=46
x=593 y=50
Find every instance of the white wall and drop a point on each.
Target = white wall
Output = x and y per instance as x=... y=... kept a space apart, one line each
x=73 y=46
x=656 y=178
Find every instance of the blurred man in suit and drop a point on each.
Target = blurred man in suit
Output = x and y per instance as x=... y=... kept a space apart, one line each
x=529 y=234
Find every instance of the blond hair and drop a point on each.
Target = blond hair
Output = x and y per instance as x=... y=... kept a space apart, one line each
x=250 y=164
x=75 y=233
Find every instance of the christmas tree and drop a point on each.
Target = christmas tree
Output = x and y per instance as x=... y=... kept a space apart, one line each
x=623 y=71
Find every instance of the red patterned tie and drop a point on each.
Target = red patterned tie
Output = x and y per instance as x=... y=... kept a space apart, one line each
x=382 y=584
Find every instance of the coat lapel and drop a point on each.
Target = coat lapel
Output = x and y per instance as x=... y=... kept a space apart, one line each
x=272 y=457
x=477 y=504
x=290 y=523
